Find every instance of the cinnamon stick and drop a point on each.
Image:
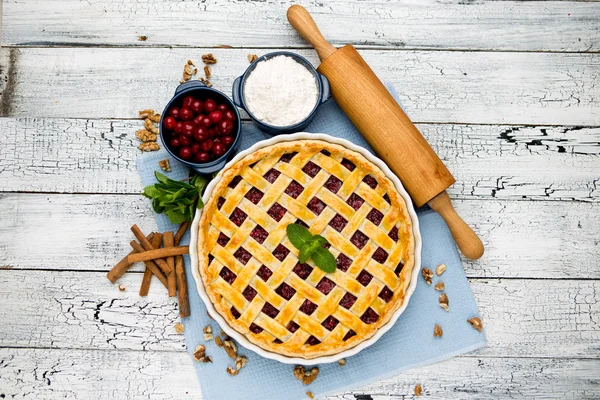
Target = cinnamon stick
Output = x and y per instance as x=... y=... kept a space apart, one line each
x=150 y=264
x=145 y=288
x=184 y=302
x=148 y=246
x=158 y=254
x=180 y=232
x=122 y=266
x=168 y=241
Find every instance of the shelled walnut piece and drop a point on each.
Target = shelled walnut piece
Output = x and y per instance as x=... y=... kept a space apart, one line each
x=165 y=165
x=427 y=275
x=476 y=323
x=189 y=70
x=307 y=376
x=252 y=58
x=148 y=135
x=209 y=59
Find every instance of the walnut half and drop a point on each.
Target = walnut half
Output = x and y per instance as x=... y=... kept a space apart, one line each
x=427 y=275
x=476 y=323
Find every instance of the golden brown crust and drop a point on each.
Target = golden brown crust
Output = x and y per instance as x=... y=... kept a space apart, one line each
x=397 y=216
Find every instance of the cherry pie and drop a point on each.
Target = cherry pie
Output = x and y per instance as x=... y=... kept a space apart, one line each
x=251 y=271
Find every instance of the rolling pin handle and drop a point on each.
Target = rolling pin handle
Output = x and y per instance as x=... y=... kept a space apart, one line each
x=467 y=241
x=302 y=22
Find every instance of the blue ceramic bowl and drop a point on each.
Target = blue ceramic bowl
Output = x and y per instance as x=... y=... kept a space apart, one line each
x=201 y=91
x=322 y=82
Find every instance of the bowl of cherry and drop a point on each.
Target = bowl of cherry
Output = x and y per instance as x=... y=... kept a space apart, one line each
x=200 y=127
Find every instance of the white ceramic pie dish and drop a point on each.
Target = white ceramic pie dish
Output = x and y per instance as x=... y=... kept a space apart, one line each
x=241 y=339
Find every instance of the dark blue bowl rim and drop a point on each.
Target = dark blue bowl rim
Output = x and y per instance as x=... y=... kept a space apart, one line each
x=304 y=62
x=200 y=166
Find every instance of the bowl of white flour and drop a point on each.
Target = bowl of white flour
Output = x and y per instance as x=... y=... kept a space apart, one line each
x=281 y=92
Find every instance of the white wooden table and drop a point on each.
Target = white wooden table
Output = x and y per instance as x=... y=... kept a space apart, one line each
x=507 y=92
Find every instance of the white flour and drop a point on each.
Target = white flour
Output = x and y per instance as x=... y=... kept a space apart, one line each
x=280 y=91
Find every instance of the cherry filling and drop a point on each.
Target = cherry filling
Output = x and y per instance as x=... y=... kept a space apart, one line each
x=348 y=164
x=294 y=189
x=370 y=316
x=369 y=180
x=238 y=217
x=348 y=300
x=325 y=285
x=271 y=175
x=359 y=239
x=249 y=293
x=394 y=234
x=292 y=326
x=302 y=270
x=386 y=294
x=349 y=335
x=330 y=323
x=302 y=223
x=281 y=252
x=222 y=240
x=227 y=275
x=270 y=310
x=375 y=216
x=325 y=152
x=254 y=195
x=308 y=307
x=242 y=255
x=364 y=278
x=311 y=341
x=277 y=341
x=259 y=234
x=311 y=169
x=220 y=202
x=343 y=262
x=285 y=291
x=264 y=273
x=277 y=211
x=355 y=201
x=236 y=314
x=399 y=268
x=287 y=157
x=234 y=182
x=333 y=184
x=387 y=198
x=255 y=328
x=316 y=205
x=338 y=222
x=380 y=255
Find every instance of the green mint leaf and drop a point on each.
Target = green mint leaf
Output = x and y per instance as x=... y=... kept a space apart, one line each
x=304 y=254
x=298 y=235
x=161 y=178
x=320 y=240
x=324 y=259
x=150 y=192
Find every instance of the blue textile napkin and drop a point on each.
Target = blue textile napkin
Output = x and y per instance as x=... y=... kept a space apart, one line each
x=410 y=343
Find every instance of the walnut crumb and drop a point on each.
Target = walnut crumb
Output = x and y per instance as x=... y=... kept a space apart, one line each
x=199 y=352
x=206 y=359
x=208 y=333
x=342 y=362
x=310 y=395
x=209 y=59
x=219 y=341
x=205 y=81
x=190 y=62
x=439 y=286
x=305 y=375
x=437 y=331
x=440 y=269
x=189 y=71
x=179 y=328
x=154 y=118
x=252 y=58
x=230 y=348
x=240 y=362
x=476 y=323
x=207 y=71
x=149 y=125
x=165 y=165
x=444 y=302
x=143 y=114
x=145 y=135
x=142 y=38
x=418 y=390
x=231 y=371
x=149 y=146
x=427 y=275
x=122 y=287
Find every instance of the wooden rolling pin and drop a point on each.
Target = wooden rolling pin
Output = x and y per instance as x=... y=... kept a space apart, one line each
x=388 y=130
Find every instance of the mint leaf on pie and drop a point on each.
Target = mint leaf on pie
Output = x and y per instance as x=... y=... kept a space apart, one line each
x=298 y=235
x=324 y=259
x=311 y=246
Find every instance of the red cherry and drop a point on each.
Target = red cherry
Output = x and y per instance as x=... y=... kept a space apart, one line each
x=206 y=121
x=186 y=114
x=185 y=140
x=214 y=132
x=169 y=123
x=175 y=142
x=210 y=105
x=179 y=127
x=227 y=140
x=219 y=149
x=195 y=148
x=196 y=106
x=202 y=157
x=207 y=145
x=185 y=153
x=198 y=119
x=201 y=134
x=188 y=128
x=222 y=107
x=187 y=101
x=174 y=112
x=225 y=127
x=215 y=116
x=230 y=115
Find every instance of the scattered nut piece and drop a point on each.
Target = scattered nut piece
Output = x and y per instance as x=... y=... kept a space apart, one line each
x=149 y=146
x=207 y=71
x=208 y=333
x=219 y=341
x=418 y=390
x=427 y=275
x=440 y=269
x=209 y=59
x=207 y=359
x=155 y=118
x=240 y=361
x=122 y=288
x=190 y=62
x=165 y=165
x=149 y=125
x=252 y=58
x=230 y=348
x=306 y=376
x=439 y=286
x=188 y=71
x=179 y=328
x=444 y=302
x=199 y=352
x=143 y=114
x=142 y=38
x=342 y=362
x=437 y=331
x=231 y=371
x=205 y=81
x=476 y=323
x=145 y=135
x=310 y=395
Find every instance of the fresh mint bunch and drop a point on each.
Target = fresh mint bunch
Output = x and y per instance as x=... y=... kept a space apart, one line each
x=311 y=246
x=178 y=200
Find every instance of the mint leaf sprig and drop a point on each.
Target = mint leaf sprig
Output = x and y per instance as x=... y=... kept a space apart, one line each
x=311 y=246
x=178 y=200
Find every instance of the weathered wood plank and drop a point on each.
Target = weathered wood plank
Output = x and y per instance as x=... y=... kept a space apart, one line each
x=82 y=310
x=98 y=156
x=91 y=232
x=86 y=374
x=439 y=86
x=507 y=25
